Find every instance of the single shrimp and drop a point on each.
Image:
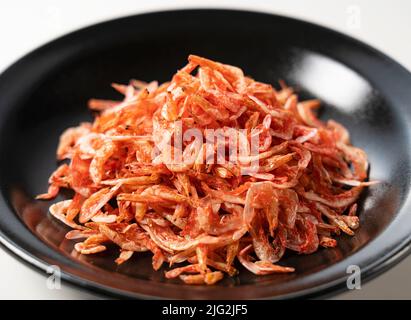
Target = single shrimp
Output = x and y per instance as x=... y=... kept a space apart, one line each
x=260 y=267
x=96 y=201
x=97 y=164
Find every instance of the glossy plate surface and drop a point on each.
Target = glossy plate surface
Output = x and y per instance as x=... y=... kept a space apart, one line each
x=46 y=91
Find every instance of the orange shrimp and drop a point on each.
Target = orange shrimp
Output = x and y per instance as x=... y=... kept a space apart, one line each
x=208 y=168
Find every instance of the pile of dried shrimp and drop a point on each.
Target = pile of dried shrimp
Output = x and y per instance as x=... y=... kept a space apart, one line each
x=203 y=213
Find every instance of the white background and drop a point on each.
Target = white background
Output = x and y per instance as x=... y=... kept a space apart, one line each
x=24 y=25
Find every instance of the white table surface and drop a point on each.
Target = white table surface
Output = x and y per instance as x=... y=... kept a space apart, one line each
x=24 y=25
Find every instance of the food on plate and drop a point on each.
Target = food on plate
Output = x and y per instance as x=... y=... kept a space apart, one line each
x=208 y=169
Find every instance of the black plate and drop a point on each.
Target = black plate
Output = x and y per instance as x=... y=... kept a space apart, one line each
x=47 y=90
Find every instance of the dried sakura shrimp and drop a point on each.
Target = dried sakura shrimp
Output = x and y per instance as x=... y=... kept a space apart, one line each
x=302 y=190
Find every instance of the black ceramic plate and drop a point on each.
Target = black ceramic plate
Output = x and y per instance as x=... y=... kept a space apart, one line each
x=47 y=90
